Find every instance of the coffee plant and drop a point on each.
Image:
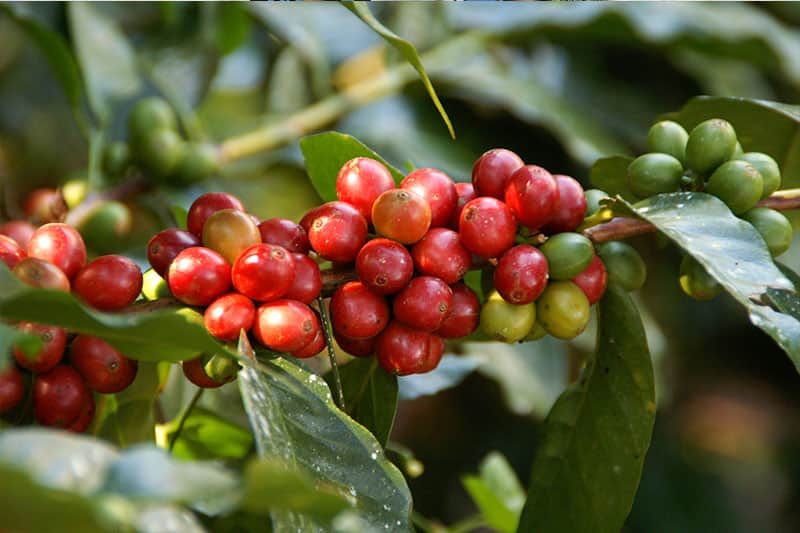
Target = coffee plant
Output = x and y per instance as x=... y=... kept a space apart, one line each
x=297 y=334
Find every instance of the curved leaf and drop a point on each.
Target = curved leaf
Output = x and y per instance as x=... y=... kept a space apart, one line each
x=587 y=467
x=497 y=492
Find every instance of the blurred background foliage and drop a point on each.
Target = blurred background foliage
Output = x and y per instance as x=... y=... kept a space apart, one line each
x=561 y=85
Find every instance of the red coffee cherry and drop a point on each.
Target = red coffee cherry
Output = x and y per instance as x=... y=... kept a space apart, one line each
x=424 y=303
x=285 y=325
x=54 y=341
x=284 y=232
x=42 y=274
x=403 y=350
x=492 y=171
x=357 y=312
x=205 y=206
x=198 y=276
x=108 y=283
x=356 y=347
x=44 y=205
x=228 y=315
x=11 y=252
x=102 y=368
x=60 y=244
x=532 y=195
x=312 y=348
x=593 y=280
x=307 y=281
x=336 y=231
x=264 y=272
x=385 y=266
x=465 y=311
x=59 y=397
x=441 y=254
x=521 y=274
x=487 y=227
x=85 y=417
x=361 y=181
x=466 y=192
x=570 y=207
x=165 y=246
x=12 y=388
x=401 y=215
x=437 y=189
x=195 y=372
x=19 y=230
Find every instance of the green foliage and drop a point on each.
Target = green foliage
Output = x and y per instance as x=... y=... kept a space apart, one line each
x=127 y=417
x=610 y=175
x=206 y=435
x=497 y=493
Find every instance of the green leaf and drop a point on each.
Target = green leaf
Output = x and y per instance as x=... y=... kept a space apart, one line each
x=370 y=395
x=731 y=250
x=610 y=174
x=324 y=155
x=147 y=336
x=408 y=51
x=587 y=466
x=128 y=416
x=206 y=435
x=497 y=492
x=295 y=420
x=11 y=337
x=232 y=26
x=106 y=58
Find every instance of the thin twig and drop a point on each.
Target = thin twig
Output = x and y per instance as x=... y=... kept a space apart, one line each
x=124 y=190
x=184 y=416
x=326 y=329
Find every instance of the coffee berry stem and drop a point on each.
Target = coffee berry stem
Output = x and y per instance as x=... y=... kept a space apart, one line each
x=183 y=417
x=131 y=187
x=326 y=330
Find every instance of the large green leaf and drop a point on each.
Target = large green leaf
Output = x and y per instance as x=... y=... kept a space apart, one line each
x=497 y=492
x=171 y=335
x=731 y=250
x=325 y=153
x=587 y=467
x=408 y=51
x=206 y=435
x=295 y=420
x=127 y=417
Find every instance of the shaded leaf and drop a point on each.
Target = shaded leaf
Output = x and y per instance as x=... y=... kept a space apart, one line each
x=11 y=337
x=497 y=492
x=610 y=174
x=452 y=370
x=206 y=435
x=587 y=467
x=232 y=26
x=128 y=415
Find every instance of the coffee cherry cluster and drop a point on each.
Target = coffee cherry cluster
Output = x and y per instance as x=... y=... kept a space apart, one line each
x=67 y=369
x=711 y=159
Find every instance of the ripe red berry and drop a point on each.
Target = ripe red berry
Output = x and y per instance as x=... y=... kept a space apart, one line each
x=357 y=312
x=361 y=181
x=263 y=272
x=108 y=283
x=285 y=325
x=403 y=350
x=205 y=206
x=437 y=189
x=532 y=195
x=195 y=372
x=401 y=215
x=54 y=341
x=336 y=231
x=19 y=230
x=466 y=192
x=198 y=275
x=312 y=348
x=284 y=232
x=165 y=246
x=58 y=397
x=385 y=266
x=424 y=303
x=85 y=416
x=102 y=368
x=356 y=347
x=487 y=227
x=307 y=282
x=570 y=207
x=592 y=281
x=464 y=314
x=60 y=244
x=521 y=274
x=441 y=254
x=492 y=170
x=12 y=388
x=228 y=315
x=44 y=205
x=11 y=252
x=42 y=274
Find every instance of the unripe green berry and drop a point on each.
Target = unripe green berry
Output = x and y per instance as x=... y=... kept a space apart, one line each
x=738 y=184
x=593 y=197
x=767 y=167
x=563 y=310
x=154 y=286
x=160 y=151
x=654 y=173
x=107 y=227
x=116 y=158
x=773 y=226
x=624 y=265
x=668 y=137
x=710 y=144
x=199 y=162
x=568 y=254
x=506 y=322
x=696 y=281
x=74 y=191
x=148 y=115
x=221 y=368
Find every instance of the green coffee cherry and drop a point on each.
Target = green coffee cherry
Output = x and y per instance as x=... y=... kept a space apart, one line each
x=767 y=167
x=696 y=281
x=654 y=173
x=710 y=144
x=537 y=332
x=116 y=158
x=738 y=184
x=107 y=227
x=568 y=254
x=506 y=322
x=154 y=286
x=199 y=162
x=221 y=368
x=74 y=191
x=624 y=265
x=563 y=310
x=148 y=115
x=773 y=226
x=667 y=137
x=593 y=197
x=160 y=151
